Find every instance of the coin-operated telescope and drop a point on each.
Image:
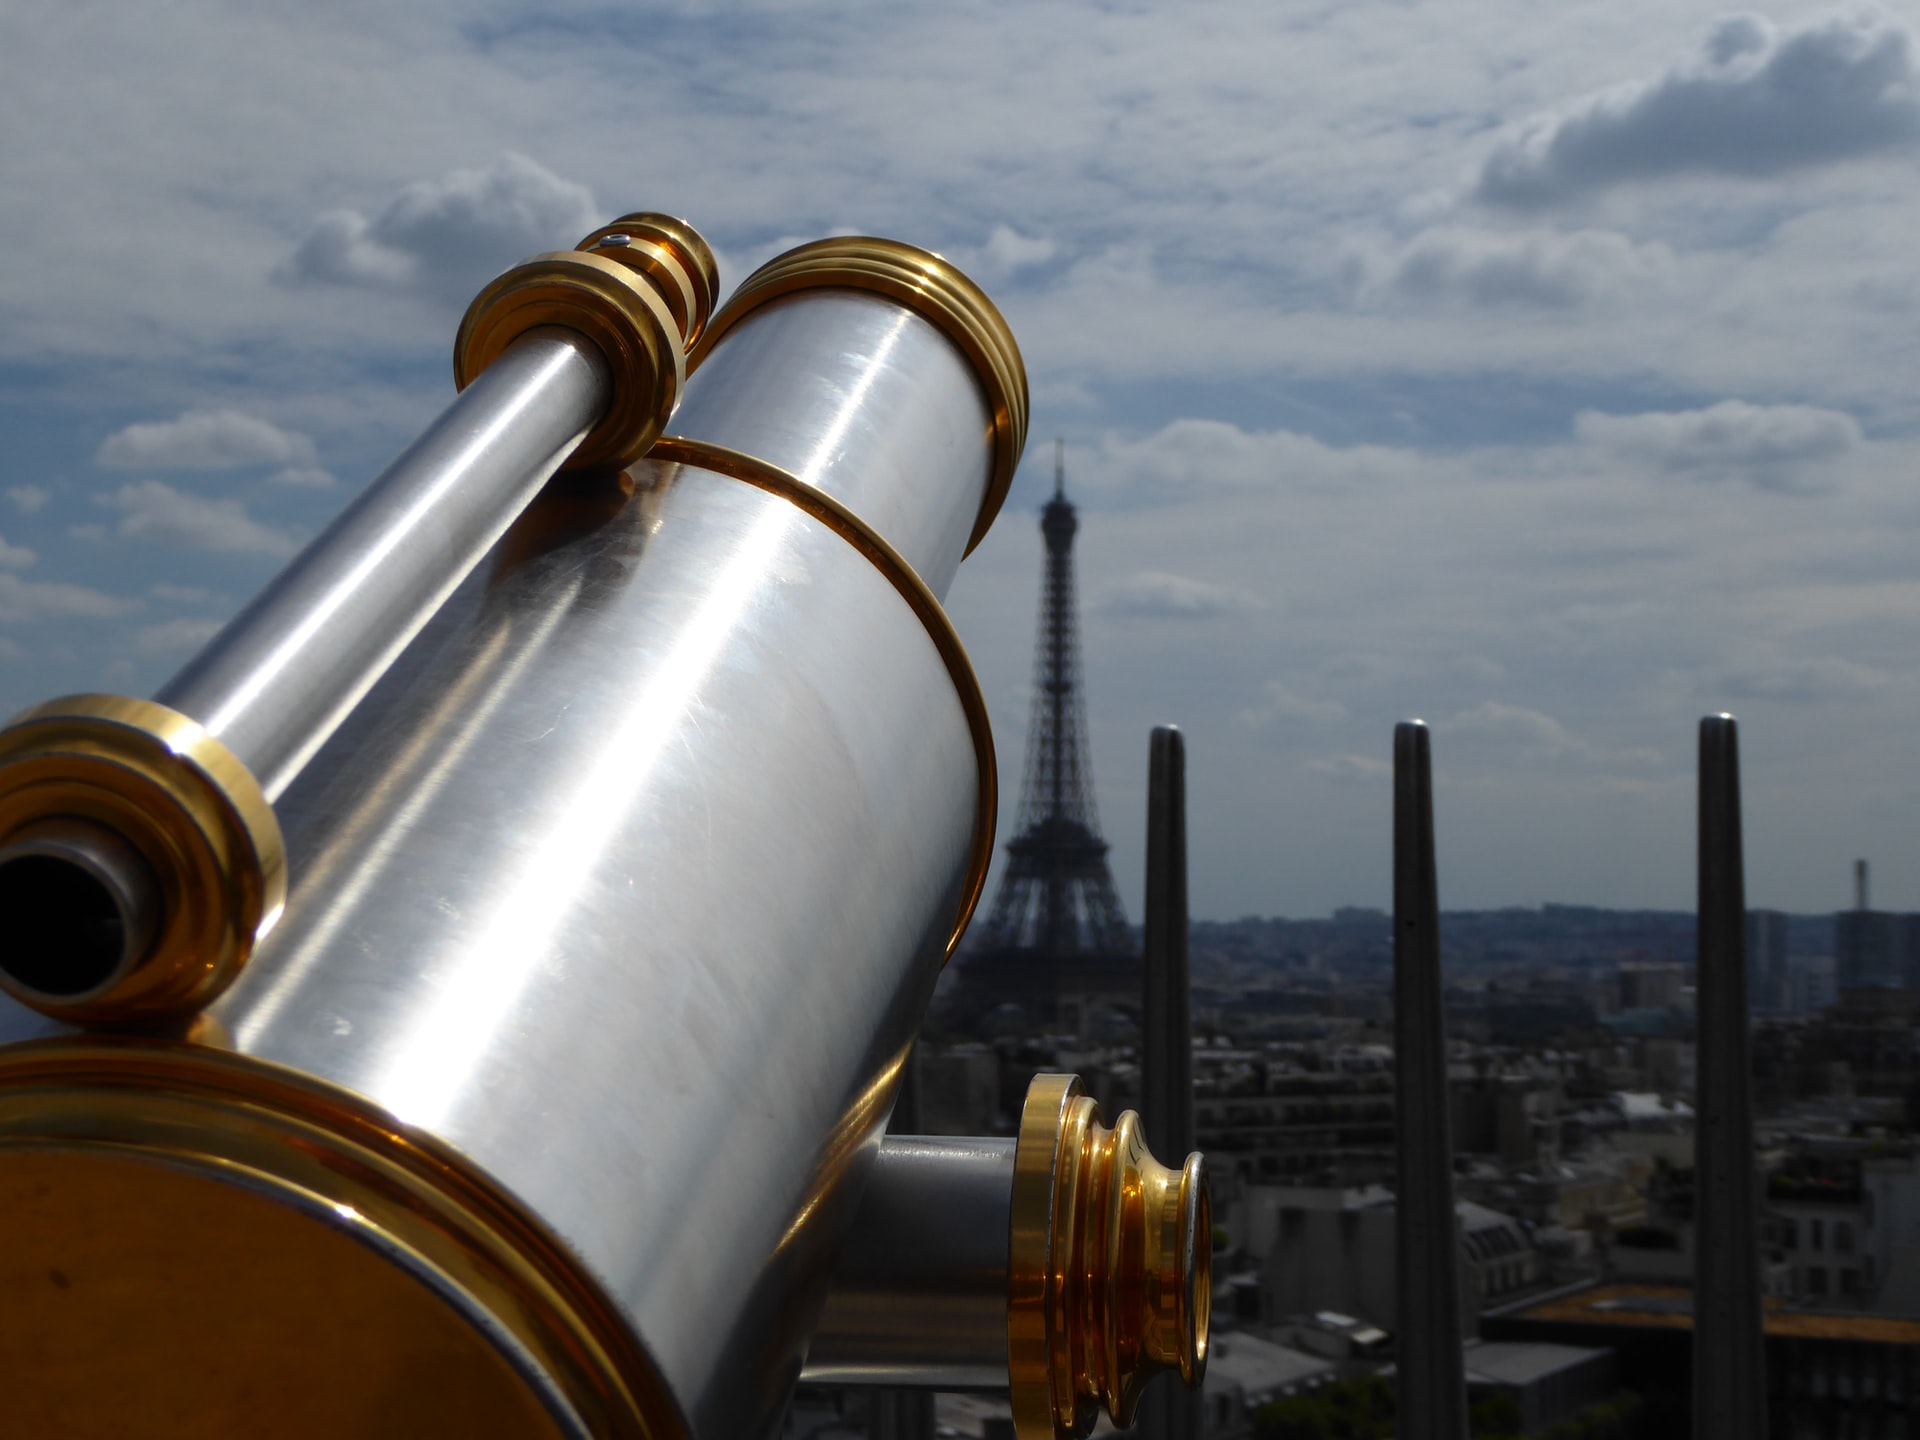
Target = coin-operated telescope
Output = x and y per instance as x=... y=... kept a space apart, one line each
x=468 y=1000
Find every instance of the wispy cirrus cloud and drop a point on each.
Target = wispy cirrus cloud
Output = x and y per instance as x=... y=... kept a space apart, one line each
x=1797 y=677
x=1156 y=594
x=57 y=600
x=1282 y=702
x=174 y=637
x=150 y=510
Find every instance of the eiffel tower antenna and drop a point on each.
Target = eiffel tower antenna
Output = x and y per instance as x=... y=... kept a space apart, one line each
x=1057 y=896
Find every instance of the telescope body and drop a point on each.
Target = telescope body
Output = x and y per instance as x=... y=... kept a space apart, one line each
x=563 y=868
x=630 y=814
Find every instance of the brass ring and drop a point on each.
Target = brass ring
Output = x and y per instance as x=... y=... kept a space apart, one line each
x=194 y=812
x=615 y=306
x=703 y=455
x=289 y=1140
x=689 y=265
x=932 y=287
x=1109 y=1266
x=1039 y=1358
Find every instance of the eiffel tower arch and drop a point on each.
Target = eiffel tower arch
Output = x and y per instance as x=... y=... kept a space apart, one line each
x=1056 y=937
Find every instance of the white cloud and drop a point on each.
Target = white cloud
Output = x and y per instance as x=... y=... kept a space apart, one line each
x=1282 y=703
x=1796 y=677
x=203 y=440
x=174 y=637
x=1156 y=594
x=15 y=557
x=1753 y=101
x=303 y=477
x=1187 y=456
x=30 y=499
x=1007 y=251
x=53 y=599
x=1522 y=733
x=1533 y=732
x=1353 y=769
x=1535 y=268
x=152 y=511
x=446 y=237
x=1774 y=446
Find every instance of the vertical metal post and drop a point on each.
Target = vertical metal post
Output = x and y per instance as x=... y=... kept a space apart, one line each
x=1430 y=1381
x=902 y=1414
x=1166 y=1101
x=1167 y=1411
x=1729 y=1347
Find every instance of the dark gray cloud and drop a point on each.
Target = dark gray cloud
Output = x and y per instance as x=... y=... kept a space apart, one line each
x=1753 y=101
x=1773 y=446
x=444 y=238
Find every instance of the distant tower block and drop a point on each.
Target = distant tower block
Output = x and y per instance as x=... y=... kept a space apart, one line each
x=1057 y=896
x=1860 y=885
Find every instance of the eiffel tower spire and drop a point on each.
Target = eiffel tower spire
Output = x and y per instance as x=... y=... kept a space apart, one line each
x=1057 y=897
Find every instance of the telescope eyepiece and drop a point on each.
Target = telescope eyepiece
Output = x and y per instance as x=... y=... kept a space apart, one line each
x=80 y=908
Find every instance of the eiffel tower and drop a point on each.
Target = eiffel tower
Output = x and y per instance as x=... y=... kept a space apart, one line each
x=1056 y=897
x=1056 y=937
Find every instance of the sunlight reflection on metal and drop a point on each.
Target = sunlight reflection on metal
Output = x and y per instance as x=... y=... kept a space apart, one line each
x=433 y=1058
x=372 y=859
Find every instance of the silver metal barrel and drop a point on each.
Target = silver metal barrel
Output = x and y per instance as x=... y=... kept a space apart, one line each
x=283 y=674
x=911 y=399
x=572 y=357
x=618 y=902
x=672 y=826
x=919 y=1297
x=890 y=418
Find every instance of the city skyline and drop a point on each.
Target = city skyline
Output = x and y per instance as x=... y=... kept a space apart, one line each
x=1547 y=375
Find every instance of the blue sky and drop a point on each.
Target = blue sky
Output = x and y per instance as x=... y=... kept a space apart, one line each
x=1552 y=373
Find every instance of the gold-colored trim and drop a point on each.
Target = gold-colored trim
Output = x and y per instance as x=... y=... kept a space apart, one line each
x=189 y=806
x=1110 y=1267
x=1036 y=1283
x=294 y=1138
x=689 y=269
x=704 y=455
x=619 y=309
x=934 y=288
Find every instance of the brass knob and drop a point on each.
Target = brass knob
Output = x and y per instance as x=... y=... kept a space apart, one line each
x=641 y=289
x=1110 y=1265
